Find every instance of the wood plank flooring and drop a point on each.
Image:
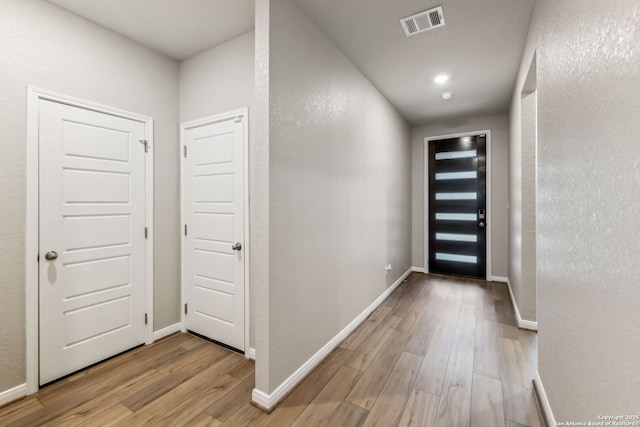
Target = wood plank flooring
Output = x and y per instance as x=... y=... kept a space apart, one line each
x=438 y=352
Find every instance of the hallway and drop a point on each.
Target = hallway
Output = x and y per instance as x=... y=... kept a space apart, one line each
x=438 y=352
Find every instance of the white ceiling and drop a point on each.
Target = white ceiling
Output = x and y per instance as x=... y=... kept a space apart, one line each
x=176 y=28
x=479 y=48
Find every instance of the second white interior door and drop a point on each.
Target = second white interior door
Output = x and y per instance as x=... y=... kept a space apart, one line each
x=213 y=214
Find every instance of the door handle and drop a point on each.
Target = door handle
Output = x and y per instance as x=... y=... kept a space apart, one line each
x=482 y=224
x=51 y=256
x=236 y=246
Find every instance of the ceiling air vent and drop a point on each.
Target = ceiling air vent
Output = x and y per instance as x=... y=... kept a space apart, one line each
x=423 y=21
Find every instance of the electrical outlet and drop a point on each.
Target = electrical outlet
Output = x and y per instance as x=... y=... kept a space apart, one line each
x=387 y=268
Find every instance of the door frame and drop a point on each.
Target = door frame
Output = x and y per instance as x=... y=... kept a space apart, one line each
x=425 y=194
x=244 y=114
x=34 y=96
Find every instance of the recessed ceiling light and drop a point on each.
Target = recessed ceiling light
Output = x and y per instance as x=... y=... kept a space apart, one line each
x=447 y=95
x=441 y=79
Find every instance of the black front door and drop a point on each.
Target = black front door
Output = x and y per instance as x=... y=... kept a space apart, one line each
x=457 y=206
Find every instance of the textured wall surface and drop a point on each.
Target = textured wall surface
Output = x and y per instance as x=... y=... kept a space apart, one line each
x=515 y=205
x=522 y=200
x=339 y=196
x=259 y=194
x=52 y=49
x=216 y=81
x=524 y=287
x=499 y=183
x=588 y=237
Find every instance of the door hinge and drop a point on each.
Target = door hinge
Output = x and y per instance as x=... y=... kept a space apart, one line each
x=146 y=145
x=146 y=319
x=146 y=232
x=185 y=229
x=184 y=150
x=186 y=308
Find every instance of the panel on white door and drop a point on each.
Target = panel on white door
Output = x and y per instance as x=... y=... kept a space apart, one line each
x=79 y=187
x=95 y=275
x=92 y=215
x=213 y=265
x=87 y=232
x=216 y=227
x=94 y=142
x=216 y=188
x=213 y=211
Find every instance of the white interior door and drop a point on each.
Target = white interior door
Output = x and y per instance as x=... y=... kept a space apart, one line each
x=92 y=237
x=213 y=211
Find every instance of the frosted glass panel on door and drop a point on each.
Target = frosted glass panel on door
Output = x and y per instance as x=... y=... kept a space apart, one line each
x=445 y=155
x=456 y=217
x=456 y=258
x=457 y=237
x=456 y=196
x=443 y=176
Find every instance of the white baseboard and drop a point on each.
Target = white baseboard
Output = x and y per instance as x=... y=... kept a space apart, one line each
x=500 y=279
x=528 y=324
x=269 y=401
x=544 y=401
x=418 y=269
x=251 y=353
x=13 y=393
x=262 y=399
x=522 y=323
x=165 y=332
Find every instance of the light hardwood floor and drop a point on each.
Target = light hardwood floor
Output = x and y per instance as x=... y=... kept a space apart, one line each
x=438 y=352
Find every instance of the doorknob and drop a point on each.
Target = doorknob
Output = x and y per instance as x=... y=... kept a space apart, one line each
x=237 y=246
x=51 y=256
x=481 y=224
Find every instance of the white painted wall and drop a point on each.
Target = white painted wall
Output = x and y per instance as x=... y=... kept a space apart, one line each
x=515 y=209
x=499 y=182
x=259 y=202
x=522 y=199
x=339 y=193
x=52 y=49
x=525 y=294
x=218 y=80
x=588 y=237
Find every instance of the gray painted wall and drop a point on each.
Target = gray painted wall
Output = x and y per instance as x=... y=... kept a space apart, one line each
x=515 y=210
x=339 y=193
x=525 y=295
x=218 y=80
x=522 y=199
x=52 y=49
x=259 y=193
x=588 y=243
x=499 y=183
